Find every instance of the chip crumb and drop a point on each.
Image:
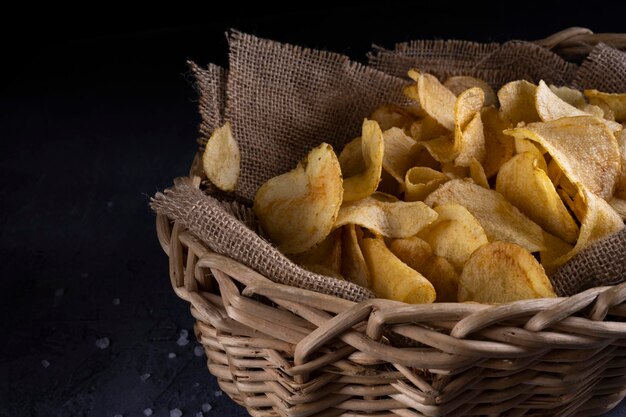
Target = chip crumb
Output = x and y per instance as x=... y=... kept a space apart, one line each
x=206 y=407
x=183 y=338
x=176 y=412
x=171 y=355
x=116 y=301
x=147 y=412
x=145 y=377
x=45 y=363
x=103 y=343
x=198 y=350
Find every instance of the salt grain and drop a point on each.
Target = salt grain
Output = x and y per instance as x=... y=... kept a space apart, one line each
x=145 y=377
x=171 y=355
x=116 y=301
x=183 y=338
x=147 y=412
x=45 y=363
x=103 y=343
x=198 y=351
x=176 y=413
x=206 y=407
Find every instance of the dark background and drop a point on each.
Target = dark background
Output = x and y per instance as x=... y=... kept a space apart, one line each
x=97 y=114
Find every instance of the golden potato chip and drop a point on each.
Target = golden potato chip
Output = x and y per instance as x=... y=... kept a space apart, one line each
x=555 y=248
x=413 y=251
x=616 y=102
x=392 y=278
x=600 y=111
x=472 y=143
x=550 y=107
x=399 y=155
x=620 y=188
x=499 y=147
x=501 y=272
x=298 y=209
x=364 y=183
x=444 y=278
x=517 y=102
x=570 y=96
x=477 y=173
x=437 y=101
x=353 y=265
x=421 y=181
x=426 y=129
x=527 y=186
x=460 y=83
x=453 y=171
x=455 y=235
x=389 y=219
x=555 y=173
x=600 y=220
x=499 y=218
x=525 y=145
x=584 y=148
x=619 y=205
x=388 y=184
x=351 y=158
x=326 y=254
x=389 y=115
x=221 y=159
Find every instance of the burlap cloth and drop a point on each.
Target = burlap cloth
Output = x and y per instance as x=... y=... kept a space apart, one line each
x=283 y=100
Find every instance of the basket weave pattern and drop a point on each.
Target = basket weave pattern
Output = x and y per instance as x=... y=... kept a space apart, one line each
x=284 y=351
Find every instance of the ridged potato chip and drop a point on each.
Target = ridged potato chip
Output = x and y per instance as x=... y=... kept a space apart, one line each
x=501 y=272
x=400 y=152
x=458 y=84
x=353 y=265
x=419 y=182
x=584 y=148
x=298 y=209
x=390 y=219
x=499 y=147
x=221 y=159
x=517 y=102
x=392 y=278
x=499 y=218
x=616 y=102
x=527 y=186
x=455 y=235
x=364 y=183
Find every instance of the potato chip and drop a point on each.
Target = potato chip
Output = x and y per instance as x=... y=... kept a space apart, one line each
x=517 y=102
x=550 y=107
x=584 y=148
x=423 y=158
x=455 y=235
x=620 y=188
x=499 y=218
x=353 y=265
x=426 y=129
x=472 y=143
x=453 y=171
x=601 y=111
x=392 y=278
x=501 y=272
x=437 y=101
x=527 y=186
x=413 y=251
x=616 y=102
x=499 y=147
x=444 y=278
x=570 y=96
x=389 y=115
x=555 y=248
x=526 y=145
x=351 y=158
x=399 y=155
x=600 y=220
x=298 y=209
x=221 y=159
x=326 y=254
x=619 y=205
x=458 y=84
x=364 y=183
x=421 y=181
x=477 y=173
x=389 y=219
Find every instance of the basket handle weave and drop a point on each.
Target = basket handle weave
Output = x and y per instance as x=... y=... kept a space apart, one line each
x=576 y=43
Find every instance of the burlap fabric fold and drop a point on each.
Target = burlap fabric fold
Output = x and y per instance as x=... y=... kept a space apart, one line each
x=283 y=100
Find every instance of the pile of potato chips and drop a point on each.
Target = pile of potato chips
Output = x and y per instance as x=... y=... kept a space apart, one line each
x=464 y=195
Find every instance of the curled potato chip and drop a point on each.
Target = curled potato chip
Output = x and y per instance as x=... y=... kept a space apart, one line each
x=326 y=254
x=525 y=145
x=570 y=96
x=458 y=84
x=472 y=143
x=555 y=248
x=413 y=251
x=455 y=235
x=517 y=101
x=392 y=278
x=444 y=278
x=399 y=155
x=528 y=187
x=221 y=159
x=437 y=101
x=477 y=173
x=389 y=115
x=421 y=181
x=600 y=220
x=616 y=102
x=351 y=158
x=297 y=209
x=353 y=265
x=426 y=129
x=501 y=272
x=364 y=183
x=390 y=219
x=584 y=148
x=619 y=205
x=499 y=218
x=453 y=171
x=499 y=147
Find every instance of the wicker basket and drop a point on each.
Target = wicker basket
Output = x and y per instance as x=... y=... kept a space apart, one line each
x=284 y=351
